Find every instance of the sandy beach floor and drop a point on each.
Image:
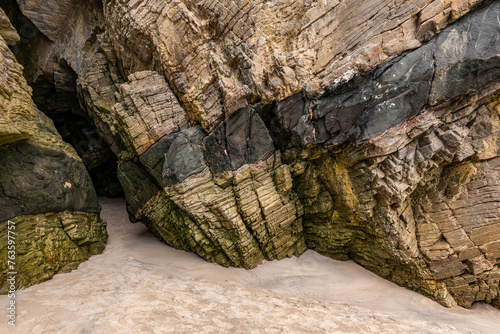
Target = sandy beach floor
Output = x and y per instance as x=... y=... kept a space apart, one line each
x=140 y=285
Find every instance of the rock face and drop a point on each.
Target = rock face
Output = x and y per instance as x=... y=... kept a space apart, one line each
x=242 y=52
x=55 y=93
x=45 y=189
x=254 y=130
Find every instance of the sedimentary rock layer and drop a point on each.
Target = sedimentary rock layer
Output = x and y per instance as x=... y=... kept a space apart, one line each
x=221 y=55
x=45 y=191
x=257 y=129
x=358 y=160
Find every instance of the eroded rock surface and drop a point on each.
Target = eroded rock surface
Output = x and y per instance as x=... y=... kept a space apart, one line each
x=243 y=52
x=257 y=129
x=45 y=189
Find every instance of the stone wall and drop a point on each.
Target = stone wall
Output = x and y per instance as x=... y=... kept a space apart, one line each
x=254 y=130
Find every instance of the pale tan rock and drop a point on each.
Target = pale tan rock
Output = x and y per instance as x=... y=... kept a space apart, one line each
x=7 y=31
x=17 y=115
x=221 y=55
x=250 y=218
x=147 y=111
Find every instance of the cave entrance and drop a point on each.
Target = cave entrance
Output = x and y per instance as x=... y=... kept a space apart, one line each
x=55 y=94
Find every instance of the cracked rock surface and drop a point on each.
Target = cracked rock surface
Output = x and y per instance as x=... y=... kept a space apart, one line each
x=255 y=130
x=45 y=191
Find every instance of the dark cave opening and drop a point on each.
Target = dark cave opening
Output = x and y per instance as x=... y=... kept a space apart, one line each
x=55 y=94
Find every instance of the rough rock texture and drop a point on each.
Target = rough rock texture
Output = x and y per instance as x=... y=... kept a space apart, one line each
x=55 y=93
x=221 y=55
x=254 y=130
x=7 y=31
x=44 y=188
x=50 y=17
x=17 y=115
x=416 y=203
x=148 y=110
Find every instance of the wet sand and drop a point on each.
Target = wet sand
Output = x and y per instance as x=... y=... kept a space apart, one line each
x=140 y=285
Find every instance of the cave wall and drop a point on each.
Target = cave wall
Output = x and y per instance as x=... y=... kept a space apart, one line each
x=256 y=130
x=54 y=87
x=45 y=190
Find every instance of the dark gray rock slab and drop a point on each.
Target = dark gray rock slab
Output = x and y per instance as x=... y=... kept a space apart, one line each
x=184 y=156
x=137 y=186
x=241 y=139
x=463 y=59
x=154 y=158
x=215 y=150
x=36 y=180
x=467 y=55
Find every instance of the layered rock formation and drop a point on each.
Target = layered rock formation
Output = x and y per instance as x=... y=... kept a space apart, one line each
x=257 y=129
x=46 y=193
x=220 y=56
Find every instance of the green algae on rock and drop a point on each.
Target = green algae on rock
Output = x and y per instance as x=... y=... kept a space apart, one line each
x=363 y=131
x=45 y=190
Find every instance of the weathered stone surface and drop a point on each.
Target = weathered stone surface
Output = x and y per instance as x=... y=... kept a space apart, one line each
x=35 y=179
x=222 y=55
x=467 y=56
x=16 y=107
x=55 y=93
x=7 y=31
x=153 y=159
x=44 y=189
x=343 y=127
x=137 y=186
x=394 y=209
x=184 y=157
x=49 y=16
x=249 y=214
x=148 y=110
x=50 y=243
x=241 y=139
x=366 y=107
x=399 y=89
x=233 y=218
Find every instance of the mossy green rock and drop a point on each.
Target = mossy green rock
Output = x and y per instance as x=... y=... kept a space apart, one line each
x=45 y=190
x=50 y=243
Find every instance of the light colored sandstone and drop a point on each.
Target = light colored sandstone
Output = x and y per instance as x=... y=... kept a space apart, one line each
x=221 y=55
x=148 y=110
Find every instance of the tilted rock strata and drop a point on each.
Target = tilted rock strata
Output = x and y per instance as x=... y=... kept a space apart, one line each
x=51 y=243
x=282 y=127
x=45 y=189
x=242 y=217
x=383 y=210
x=399 y=204
x=250 y=215
x=17 y=115
x=396 y=132
x=148 y=110
x=221 y=55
